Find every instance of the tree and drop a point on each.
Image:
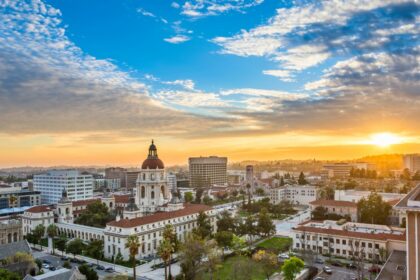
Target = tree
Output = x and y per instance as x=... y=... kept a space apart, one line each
x=265 y=224
x=88 y=272
x=319 y=213
x=259 y=192
x=95 y=249
x=373 y=209
x=170 y=234
x=406 y=174
x=12 y=200
x=207 y=200
x=327 y=193
x=38 y=233
x=237 y=244
x=224 y=239
x=75 y=247
x=234 y=193
x=416 y=176
x=119 y=258
x=133 y=244
x=198 y=195
x=204 y=228
x=191 y=255
x=281 y=181
x=225 y=222
x=213 y=258
x=67 y=264
x=8 y=275
x=164 y=251
x=268 y=261
x=292 y=267
x=95 y=215
x=188 y=196
x=249 y=228
x=302 y=180
x=52 y=232
x=61 y=244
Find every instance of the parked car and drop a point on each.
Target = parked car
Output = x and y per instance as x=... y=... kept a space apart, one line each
x=327 y=270
x=46 y=266
x=74 y=260
x=353 y=277
x=64 y=258
x=283 y=256
x=336 y=263
x=319 y=261
x=374 y=269
x=52 y=268
x=319 y=278
x=109 y=269
x=351 y=266
x=91 y=265
x=100 y=267
x=46 y=261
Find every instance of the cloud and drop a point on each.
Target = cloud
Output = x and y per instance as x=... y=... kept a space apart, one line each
x=145 y=13
x=186 y=84
x=283 y=75
x=197 y=9
x=263 y=92
x=178 y=39
x=307 y=35
x=175 y=5
x=48 y=85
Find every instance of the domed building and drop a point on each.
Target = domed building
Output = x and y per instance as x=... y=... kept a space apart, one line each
x=151 y=187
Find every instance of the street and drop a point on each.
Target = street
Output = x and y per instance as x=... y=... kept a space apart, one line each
x=283 y=227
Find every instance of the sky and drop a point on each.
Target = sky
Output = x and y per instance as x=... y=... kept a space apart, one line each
x=92 y=82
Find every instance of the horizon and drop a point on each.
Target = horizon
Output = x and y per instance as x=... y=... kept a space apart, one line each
x=250 y=80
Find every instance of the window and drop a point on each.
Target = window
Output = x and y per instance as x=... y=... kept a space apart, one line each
x=344 y=242
x=369 y=245
x=337 y=251
x=337 y=241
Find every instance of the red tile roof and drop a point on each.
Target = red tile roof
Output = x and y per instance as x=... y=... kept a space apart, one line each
x=122 y=198
x=160 y=216
x=39 y=209
x=337 y=203
x=352 y=234
x=393 y=202
x=84 y=202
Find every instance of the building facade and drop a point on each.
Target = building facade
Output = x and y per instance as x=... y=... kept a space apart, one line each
x=52 y=184
x=10 y=231
x=207 y=171
x=296 y=194
x=412 y=162
x=37 y=215
x=365 y=241
x=342 y=208
x=19 y=198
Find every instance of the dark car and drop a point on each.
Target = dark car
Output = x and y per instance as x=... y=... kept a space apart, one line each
x=374 y=269
x=91 y=265
x=351 y=266
x=46 y=261
x=74 y=260
x=336 y=263
x=109 y=269
x=52 y=268
x=100 y=267
x=64 y=258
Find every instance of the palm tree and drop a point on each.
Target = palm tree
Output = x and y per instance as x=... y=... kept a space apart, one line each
x=52 y=232
x=164 y=252
x=169 y=234
x=12 y=200
x=133 y=244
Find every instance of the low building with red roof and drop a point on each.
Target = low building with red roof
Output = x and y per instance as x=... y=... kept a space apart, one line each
x=348 y=239
x=37 y=215
x=338 y=207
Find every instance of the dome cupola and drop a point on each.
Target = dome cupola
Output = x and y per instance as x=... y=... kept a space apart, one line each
x=152 y=161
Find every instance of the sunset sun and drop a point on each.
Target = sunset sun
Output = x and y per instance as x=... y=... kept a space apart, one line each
x=385 y=139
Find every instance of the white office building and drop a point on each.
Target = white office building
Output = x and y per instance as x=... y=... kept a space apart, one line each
x=52 y=184
x=296 y=194
x=412 y=162
x=171 y=178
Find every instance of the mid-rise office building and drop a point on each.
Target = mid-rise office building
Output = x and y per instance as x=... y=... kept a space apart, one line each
x=16 y=197
x=171 y=182
x=51 y=185
x=131 y=179
x=207 y=171
x=412 y=162
x=296 y=194
x=336 y=170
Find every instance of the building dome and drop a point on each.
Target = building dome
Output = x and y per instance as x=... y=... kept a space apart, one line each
x=152 y=161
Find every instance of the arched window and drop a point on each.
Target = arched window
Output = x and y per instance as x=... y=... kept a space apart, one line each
x=15 y=238
x=67 y=211
x=143 y=191
x=162 y=189
x=9 y=238
x=152 y=176
x=144 y=176
x=110 y=205
x=152 y=194
x=59 y=211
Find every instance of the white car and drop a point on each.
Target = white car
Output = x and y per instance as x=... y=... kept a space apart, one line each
x=283 y=256
x=46 y=266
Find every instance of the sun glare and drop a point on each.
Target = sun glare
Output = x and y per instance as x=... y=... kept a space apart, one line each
x=385 y=139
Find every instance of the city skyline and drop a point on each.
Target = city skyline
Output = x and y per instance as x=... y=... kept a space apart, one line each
x=91 y=84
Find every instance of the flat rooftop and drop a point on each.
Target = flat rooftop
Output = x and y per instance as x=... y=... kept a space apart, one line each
x=395 y=267
x=411 y=201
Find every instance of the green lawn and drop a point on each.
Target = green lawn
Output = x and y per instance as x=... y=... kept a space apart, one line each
x=276 y=244
x=237 y=268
